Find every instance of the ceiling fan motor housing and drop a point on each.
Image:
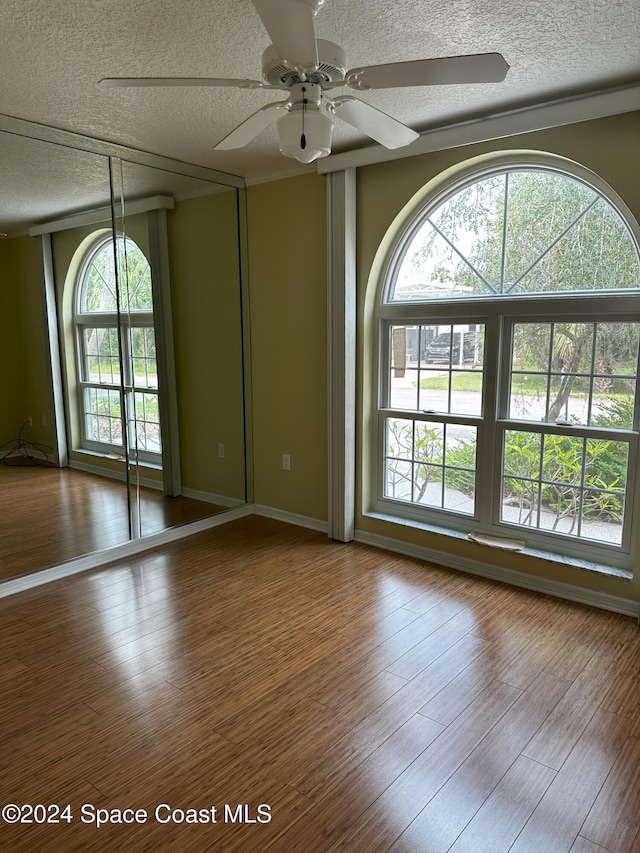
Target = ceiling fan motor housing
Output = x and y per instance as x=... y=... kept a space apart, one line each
x=332 y=66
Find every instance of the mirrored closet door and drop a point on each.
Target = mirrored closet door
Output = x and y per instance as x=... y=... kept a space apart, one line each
x=122 y=389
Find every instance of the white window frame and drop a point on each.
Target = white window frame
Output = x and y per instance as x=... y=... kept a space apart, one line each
x=123 y=322
x=498 y=315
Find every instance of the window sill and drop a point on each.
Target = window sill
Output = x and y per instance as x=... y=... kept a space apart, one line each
x=536 y=553
x=116 y=457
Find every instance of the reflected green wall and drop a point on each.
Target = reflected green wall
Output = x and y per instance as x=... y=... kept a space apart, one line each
x=288 y=292
x=12 y=408
x=205 y=288
x=24 y=353
x=203 y=260
x=607 y=146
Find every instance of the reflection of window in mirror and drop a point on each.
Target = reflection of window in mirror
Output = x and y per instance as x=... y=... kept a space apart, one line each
x=114 y=341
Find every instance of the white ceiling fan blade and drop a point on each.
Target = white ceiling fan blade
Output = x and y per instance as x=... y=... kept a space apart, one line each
x=291 y=29
x=251 y=127
x=475 y=68
x=384 y=129
x=132 y=82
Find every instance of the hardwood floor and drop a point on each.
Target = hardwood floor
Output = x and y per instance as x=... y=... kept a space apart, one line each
x=372 y=702
x=51 y=515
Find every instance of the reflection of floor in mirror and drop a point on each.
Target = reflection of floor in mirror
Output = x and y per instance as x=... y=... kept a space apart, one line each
x=51 y=515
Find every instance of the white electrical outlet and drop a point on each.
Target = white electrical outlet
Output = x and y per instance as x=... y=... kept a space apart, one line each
x=221 y=451
x=44 y=420
x=29 y=420
x=286 y=462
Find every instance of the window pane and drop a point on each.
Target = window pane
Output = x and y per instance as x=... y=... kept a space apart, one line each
x=617 y=349
x=581 y=373
x=466 y=393
x=460 y=468
x=444 y=387
x=143 y=357
x=560 y=509
x=424 y=369
x=99 y=286
x=594 y=254
x=614 y=408
x=135 y=277
x=540 y=207
x=568 y=399
x=562 y=459
x=606 y=464
x=102 y=415
x=453 y=254
x=398 y=456
x=102 y=356
x=531 y=351
x=416 y=470
x=602 y=514
x=520 y=501
x=578 y=491
x=404 y=346
x=522 y=454
x=147 y=422
x=427 y=485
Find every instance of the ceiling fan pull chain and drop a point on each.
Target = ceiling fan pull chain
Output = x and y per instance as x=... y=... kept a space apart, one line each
x=303 y=138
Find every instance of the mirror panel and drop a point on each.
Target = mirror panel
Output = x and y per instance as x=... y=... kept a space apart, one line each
x=105 y=497
x=49 y=514
x=193 y=249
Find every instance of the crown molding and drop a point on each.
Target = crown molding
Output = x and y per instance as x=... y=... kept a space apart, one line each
x=511 y=122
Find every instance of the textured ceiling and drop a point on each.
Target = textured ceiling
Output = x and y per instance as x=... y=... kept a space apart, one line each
x=54 y=53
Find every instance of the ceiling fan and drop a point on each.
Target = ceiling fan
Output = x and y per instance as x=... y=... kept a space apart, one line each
x=308 y=68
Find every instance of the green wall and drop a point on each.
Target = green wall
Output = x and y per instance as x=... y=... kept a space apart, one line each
x=288 y=293
x=607 y=146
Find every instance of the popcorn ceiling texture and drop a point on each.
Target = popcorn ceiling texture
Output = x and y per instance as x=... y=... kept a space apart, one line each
x=53 y=54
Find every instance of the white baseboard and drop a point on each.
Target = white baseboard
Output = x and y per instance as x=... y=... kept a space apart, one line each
x=290 y=518
x=195 y=494
x=594 y=598
x=210 y=498
x=147 y=482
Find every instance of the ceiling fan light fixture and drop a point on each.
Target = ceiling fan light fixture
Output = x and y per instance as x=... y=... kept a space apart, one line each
x=306 y=141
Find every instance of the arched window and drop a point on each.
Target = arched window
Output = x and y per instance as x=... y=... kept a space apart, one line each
x=117 y=367
x=509 y=320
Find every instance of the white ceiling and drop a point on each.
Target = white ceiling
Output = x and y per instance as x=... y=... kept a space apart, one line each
x=54 y=53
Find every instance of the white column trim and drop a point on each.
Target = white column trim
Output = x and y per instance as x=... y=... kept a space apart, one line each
x=341 y=273
x=163 y=322
x=54 y=367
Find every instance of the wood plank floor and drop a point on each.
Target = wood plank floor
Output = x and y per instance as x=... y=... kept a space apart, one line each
x=51 y=515
x=362 y=701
